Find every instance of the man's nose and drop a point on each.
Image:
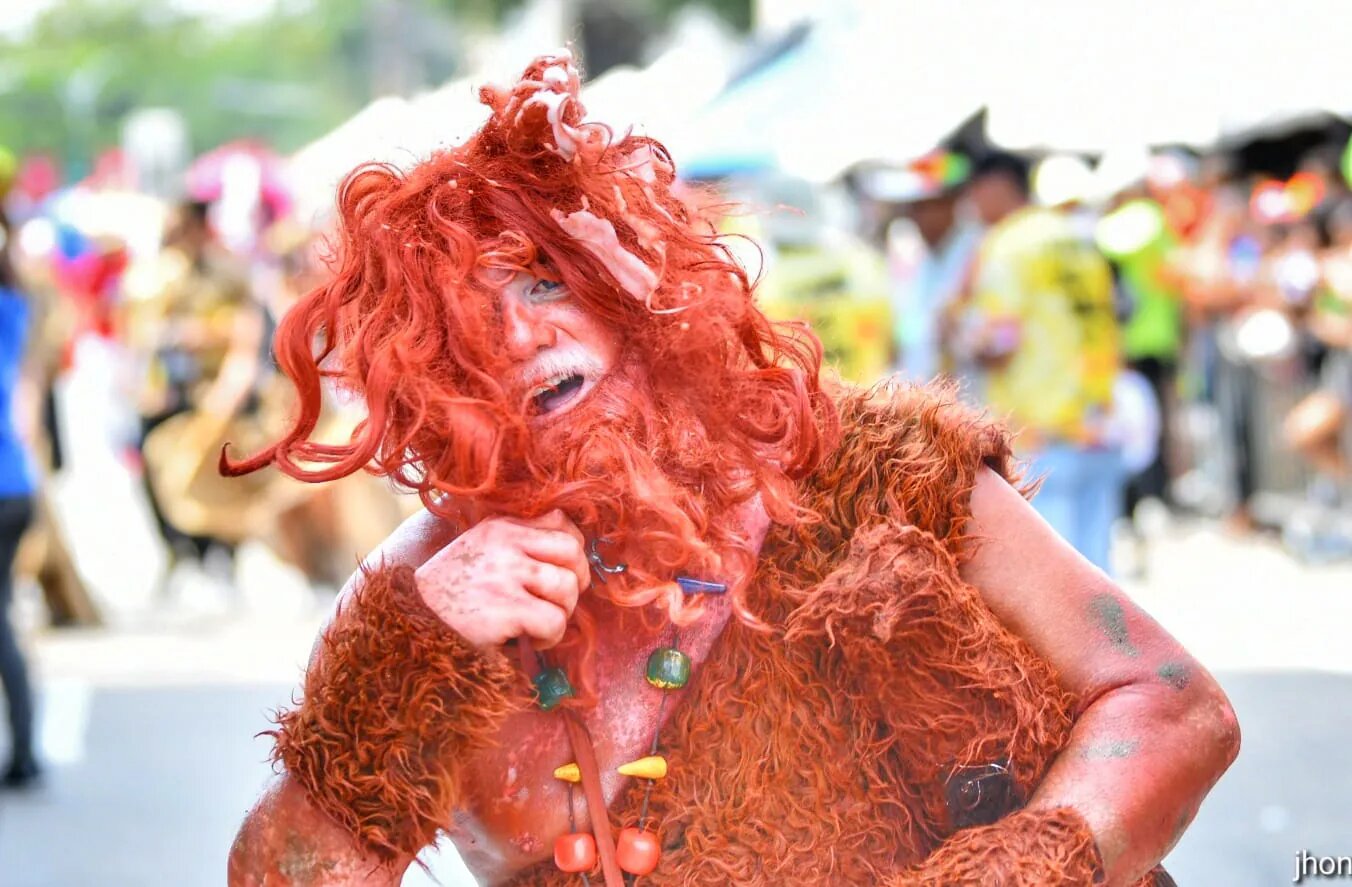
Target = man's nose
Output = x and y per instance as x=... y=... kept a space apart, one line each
x=524 y=330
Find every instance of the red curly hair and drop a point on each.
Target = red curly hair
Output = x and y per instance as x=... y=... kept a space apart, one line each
x=727 y=404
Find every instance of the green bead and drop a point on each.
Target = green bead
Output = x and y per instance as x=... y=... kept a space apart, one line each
x=551 y=687
x=668 y=669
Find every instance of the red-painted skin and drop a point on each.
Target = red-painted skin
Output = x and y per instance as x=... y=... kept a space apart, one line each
x=1154 y=734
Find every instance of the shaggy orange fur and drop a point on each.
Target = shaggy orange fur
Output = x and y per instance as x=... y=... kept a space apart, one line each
x=1028 y=847
x=814 y=754
x=391 y=709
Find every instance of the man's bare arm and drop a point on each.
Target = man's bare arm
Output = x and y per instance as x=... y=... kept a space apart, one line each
x=407 y=682
x=1154 y=731
x=286 y=842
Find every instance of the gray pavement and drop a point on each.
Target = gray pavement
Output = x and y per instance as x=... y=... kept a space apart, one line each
x=1287 y=792
x=166 y=776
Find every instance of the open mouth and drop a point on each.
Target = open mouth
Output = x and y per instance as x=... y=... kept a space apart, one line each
x=558 y=392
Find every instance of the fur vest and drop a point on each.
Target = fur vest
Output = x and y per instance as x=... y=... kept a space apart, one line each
x=889 y=708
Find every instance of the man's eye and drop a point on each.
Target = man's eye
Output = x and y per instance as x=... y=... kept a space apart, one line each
x=547 y=291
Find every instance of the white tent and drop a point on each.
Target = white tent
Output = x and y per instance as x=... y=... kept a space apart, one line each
x=391 y=130
x=315 y=170
x=1070 y=75
x=866 y=82
x=879 y=80
x=875 y=80
x=659 y=99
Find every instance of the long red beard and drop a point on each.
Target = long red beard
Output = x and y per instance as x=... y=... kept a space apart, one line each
x=639 y=471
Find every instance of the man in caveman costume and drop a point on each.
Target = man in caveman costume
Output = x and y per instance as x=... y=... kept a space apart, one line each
x=820 y=629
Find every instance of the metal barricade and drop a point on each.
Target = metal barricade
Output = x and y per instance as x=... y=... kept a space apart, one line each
x=1230 y=444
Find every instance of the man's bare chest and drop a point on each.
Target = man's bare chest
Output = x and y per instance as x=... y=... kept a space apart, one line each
x=516 y=806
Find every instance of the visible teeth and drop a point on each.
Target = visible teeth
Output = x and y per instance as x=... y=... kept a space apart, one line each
x=554 y=382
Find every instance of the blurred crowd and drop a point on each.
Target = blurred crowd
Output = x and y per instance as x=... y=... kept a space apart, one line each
x=1161 y=328
x=178 y=299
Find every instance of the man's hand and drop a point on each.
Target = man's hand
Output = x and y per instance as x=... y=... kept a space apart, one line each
x=508 y=577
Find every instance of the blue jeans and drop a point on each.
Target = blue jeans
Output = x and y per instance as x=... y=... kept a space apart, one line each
x=1081 y=496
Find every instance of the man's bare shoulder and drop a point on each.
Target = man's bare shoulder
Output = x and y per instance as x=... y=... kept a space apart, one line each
x=411 y=544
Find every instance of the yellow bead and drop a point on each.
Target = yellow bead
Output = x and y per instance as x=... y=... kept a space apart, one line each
x=568 y=773
x=651 y=767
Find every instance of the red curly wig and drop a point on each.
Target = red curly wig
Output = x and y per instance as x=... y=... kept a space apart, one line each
x=726 y=404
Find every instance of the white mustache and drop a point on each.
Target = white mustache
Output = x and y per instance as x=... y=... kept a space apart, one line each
x=551 y=367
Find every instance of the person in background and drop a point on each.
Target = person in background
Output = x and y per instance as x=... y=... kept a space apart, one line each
x=317 y=528
x=16 y=512
x=1219 y=267
x=1276 y=272
x=1315 y=428
x=930 y=244
x=202 y=333
x=1041 y=322
x=1321 y=528
x=1137 y=238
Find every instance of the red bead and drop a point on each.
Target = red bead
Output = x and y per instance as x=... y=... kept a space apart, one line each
x=637 y=851
x=575 y=852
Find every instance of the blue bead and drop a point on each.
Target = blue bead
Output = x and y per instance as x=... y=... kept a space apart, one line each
x=699 y=586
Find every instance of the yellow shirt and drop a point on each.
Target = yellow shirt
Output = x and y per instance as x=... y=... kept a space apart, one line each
x=839 y=289
x=1036 y=274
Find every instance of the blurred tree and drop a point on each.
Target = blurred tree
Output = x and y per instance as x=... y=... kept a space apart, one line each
x=735 y=12
x=284 y=78
x=612 y=33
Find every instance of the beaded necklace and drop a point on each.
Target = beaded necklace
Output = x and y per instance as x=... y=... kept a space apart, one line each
x=637 y=850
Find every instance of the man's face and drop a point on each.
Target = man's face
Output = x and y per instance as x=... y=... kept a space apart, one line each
x=993 y=197
x=559 y=352
x=933 y=217
x=189 y=237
